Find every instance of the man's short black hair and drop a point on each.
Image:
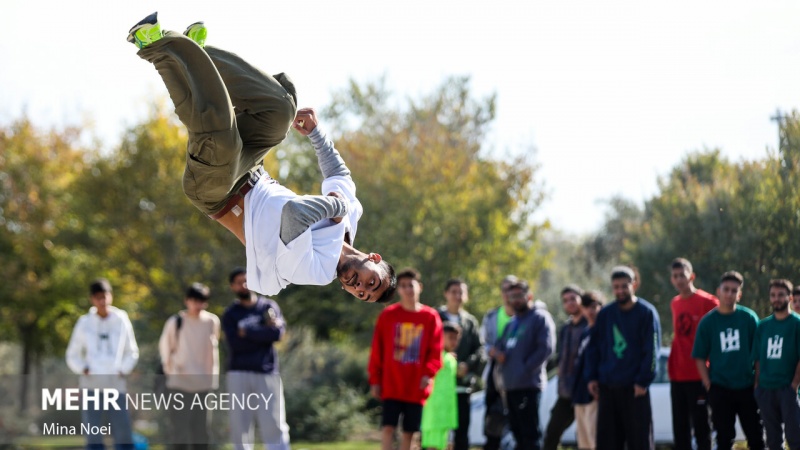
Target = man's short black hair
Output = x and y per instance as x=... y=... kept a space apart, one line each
x=781 y=283
x=451 y=327
x=198 y=291
x=574 y=288
x=453 y=282
x=409 y=272
x=388 y=294
x=99 y=285
x=520 y=284
x=732 y=275
x=623 y=272
x=508 y=279
x=682 y=263
x=590 y=298
x=235 y=273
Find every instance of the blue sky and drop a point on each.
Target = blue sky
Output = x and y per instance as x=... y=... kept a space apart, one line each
x=610 y=94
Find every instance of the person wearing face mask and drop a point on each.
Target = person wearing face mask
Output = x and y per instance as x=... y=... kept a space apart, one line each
x=252 y=325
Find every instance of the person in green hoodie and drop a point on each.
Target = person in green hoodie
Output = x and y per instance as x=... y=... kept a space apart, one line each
x=440 y=412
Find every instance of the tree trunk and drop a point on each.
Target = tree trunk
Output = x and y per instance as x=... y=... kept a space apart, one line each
x=26 y=332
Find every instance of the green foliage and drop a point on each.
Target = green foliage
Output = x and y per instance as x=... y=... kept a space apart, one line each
x=154 y=242
x=38 y=170
x=325 y=387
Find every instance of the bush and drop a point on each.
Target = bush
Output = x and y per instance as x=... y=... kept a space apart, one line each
x=325 y=386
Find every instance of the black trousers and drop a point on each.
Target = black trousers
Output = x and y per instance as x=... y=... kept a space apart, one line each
x=561 y=417
x=494 y=420
x=461 y=440
x=523 y=416
x=624 y=419
x=726 y=404
x=689 y=410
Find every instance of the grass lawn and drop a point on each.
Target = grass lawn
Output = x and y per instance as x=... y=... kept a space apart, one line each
x=77 y=442
x=356 y=445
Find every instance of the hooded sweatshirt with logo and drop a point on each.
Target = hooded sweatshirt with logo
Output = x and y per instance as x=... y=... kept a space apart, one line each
x=105 y=346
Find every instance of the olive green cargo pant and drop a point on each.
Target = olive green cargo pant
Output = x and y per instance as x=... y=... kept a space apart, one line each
x=234 y=113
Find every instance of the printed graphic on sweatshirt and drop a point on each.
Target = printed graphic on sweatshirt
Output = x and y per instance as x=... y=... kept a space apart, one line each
x=251 y=321
x=729 y=340
x=407 y=342
x=620 y=344
x=774 y=347
x=515 y=334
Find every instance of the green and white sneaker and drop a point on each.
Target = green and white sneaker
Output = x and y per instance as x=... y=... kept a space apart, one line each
x=147 y=31
x=197 y=32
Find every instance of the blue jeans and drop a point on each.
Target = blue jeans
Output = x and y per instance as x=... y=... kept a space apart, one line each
x=780 y=406
x=119 y=422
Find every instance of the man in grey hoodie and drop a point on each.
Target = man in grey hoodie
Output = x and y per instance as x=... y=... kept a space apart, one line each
x=522 y=352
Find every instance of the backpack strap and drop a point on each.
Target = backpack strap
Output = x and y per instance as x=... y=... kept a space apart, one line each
x=178 y=325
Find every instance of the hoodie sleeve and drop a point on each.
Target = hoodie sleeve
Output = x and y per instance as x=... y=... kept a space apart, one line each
x=214 y=363
x=268 y=333
x=76 y=349
x=650 y=343
x=544 y=337
x=130 y=351
x=330 y=161
x=375 y=366
x=591 y=370
x=167 y=344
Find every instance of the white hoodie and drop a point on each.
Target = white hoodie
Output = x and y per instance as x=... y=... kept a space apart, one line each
x=105 y=346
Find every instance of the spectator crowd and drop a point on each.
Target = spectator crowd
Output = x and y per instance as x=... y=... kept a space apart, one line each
x=724 y=363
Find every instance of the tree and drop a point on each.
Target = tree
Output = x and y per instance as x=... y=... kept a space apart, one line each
x=37 y=171
x=432 y=197
x=153 y=241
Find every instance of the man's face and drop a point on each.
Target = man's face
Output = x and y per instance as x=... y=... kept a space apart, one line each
x=194 y=305
x=681 y=278
x=239 y=287
x=409 y=289
x=623 y=289
x=363 y=278
x=450 y=341
x=590 y=312
x=101 y=301
x=779 y=298
x=519 y=299
x=456 y=295
x=729 y=293
x=571 y=303
x=796 y=302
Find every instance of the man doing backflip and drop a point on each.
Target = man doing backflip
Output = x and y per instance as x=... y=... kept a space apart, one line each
x=235 y=114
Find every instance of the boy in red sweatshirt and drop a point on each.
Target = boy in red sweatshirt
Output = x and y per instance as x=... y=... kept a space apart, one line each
x=406 y=354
